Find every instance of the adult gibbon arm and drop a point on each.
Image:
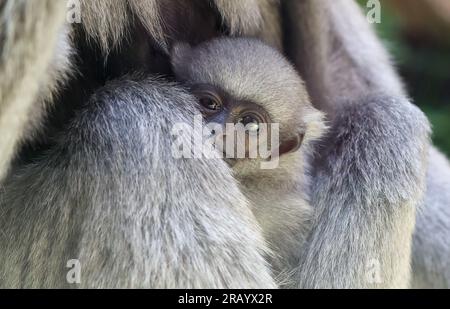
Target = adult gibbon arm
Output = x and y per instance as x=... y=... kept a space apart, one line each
x=107 y=191
x=111 y=195
x=369 y=176
x=25 y=55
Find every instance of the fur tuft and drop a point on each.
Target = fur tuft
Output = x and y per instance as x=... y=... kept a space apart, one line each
x=107 y=22
x=25 y=56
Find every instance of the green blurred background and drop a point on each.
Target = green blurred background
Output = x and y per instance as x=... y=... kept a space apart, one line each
x=420 y=45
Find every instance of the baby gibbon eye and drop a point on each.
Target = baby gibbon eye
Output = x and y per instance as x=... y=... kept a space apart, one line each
x=251 y=121
x=210 y=101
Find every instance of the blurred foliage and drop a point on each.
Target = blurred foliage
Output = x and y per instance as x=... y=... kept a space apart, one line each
x=425 y=67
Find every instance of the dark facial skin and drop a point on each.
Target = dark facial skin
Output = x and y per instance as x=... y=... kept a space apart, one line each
x=219 y=107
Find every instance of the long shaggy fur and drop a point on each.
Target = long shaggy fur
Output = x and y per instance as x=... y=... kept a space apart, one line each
x=112 y=196
x=323 y=50
x=25 y=54
x=431 y=250
x=365 y=191
x=366 y=186
x=242 y=17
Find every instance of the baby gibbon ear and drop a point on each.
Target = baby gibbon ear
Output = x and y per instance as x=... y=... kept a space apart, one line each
x=179 y=58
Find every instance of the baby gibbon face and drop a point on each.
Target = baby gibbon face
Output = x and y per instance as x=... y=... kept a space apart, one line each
x=242 y=81
x=219 y=107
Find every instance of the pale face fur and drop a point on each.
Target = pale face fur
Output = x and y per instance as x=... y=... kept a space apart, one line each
x=248 y=70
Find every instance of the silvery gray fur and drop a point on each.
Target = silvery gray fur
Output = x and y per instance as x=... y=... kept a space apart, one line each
x=367 y=184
